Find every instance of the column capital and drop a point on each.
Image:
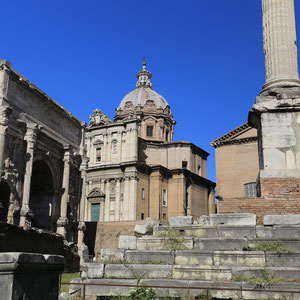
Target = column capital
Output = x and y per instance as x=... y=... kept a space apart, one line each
x=31 y=131
x=4 y=115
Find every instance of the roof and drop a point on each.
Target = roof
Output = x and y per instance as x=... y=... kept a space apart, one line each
x=241 y=134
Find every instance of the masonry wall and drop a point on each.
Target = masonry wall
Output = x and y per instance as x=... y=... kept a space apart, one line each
x=107 y=234
x=236 y=164
x=260 y=206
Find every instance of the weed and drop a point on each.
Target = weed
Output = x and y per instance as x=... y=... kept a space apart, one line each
x=175 y=240
x=276 y=246
x=266 y=277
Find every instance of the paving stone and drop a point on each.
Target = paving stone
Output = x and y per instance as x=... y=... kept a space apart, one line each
x=127 y=242
x=218 y=273
x=215 y=244
x=233 y=219
x=283 y=259
x=181 y=220
x=287 y=219
x=112 y=255
x=236 y=231
x=138 y=271
x=116 y=290
x=149 y=256
x=193 y=257
x=239 y=258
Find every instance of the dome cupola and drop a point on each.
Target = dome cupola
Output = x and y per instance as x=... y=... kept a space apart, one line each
x=152 y=110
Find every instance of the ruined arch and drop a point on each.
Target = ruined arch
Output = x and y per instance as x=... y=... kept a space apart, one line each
x=4 y=200
x=41 y=194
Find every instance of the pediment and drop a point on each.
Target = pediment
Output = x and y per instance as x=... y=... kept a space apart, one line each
x=96 y=193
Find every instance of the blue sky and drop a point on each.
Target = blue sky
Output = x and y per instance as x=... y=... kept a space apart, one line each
x=205 y=56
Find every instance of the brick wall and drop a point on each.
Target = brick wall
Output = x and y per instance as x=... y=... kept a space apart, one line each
x=107 y=234
x=260 y=206
x=280 y=188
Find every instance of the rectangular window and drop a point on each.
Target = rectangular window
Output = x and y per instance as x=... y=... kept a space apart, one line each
x=164 y=216
x=250 y=190
x=149 y=130
x=164 y=197
x=142 y=216
x=184 y=164
x=98 y=154
x=143 y=194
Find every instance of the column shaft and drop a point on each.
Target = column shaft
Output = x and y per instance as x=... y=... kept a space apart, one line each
x=62 y=221
x=30 y=138
x=279 y=34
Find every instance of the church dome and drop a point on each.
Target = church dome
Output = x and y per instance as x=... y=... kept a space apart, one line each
x=143 y=92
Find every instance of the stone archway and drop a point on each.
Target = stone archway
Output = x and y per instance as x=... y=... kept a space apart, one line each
x=95 y=200
x=4 y=201
x=41 y=194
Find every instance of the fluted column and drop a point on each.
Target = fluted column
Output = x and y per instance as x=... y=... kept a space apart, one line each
x=280 y=48
x=63 y=221
x=30 y=138
x=4 y=115
x=107 y=201
x=118 y=197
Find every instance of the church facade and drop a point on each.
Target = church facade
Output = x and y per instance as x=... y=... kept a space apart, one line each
x=136 y=170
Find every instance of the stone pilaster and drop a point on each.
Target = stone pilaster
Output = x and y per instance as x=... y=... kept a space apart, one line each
x=125 y=209
x=118 y=198
x=280 y=48
x=63 y=220
x=30 y=138
x=107 y=201
x=132 y=198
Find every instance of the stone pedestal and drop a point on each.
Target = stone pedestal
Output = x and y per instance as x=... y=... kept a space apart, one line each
x=29 y=276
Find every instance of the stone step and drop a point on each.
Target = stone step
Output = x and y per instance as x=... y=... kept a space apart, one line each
x=176 y=289
x=213 y=244
x=198 y=257
x=137 y=271
x=162 y=243
x=292 y=243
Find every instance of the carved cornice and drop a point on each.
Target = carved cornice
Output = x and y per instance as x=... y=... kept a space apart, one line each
x=237 y=141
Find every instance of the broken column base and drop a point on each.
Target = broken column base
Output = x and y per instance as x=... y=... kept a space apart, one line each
x=29 y=276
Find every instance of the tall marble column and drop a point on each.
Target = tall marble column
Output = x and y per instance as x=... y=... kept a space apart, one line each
x=107 y=201
x=30 y=138
x=280 y=48
x=63 y=220
x=118 y=198
x=5 y=111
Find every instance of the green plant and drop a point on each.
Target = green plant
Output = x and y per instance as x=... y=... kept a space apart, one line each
x=137 y=234
x=143 y=294
x=175 y=240
x=118 y=234
x=149 y=230
x=276 y=246
x=266 y=277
